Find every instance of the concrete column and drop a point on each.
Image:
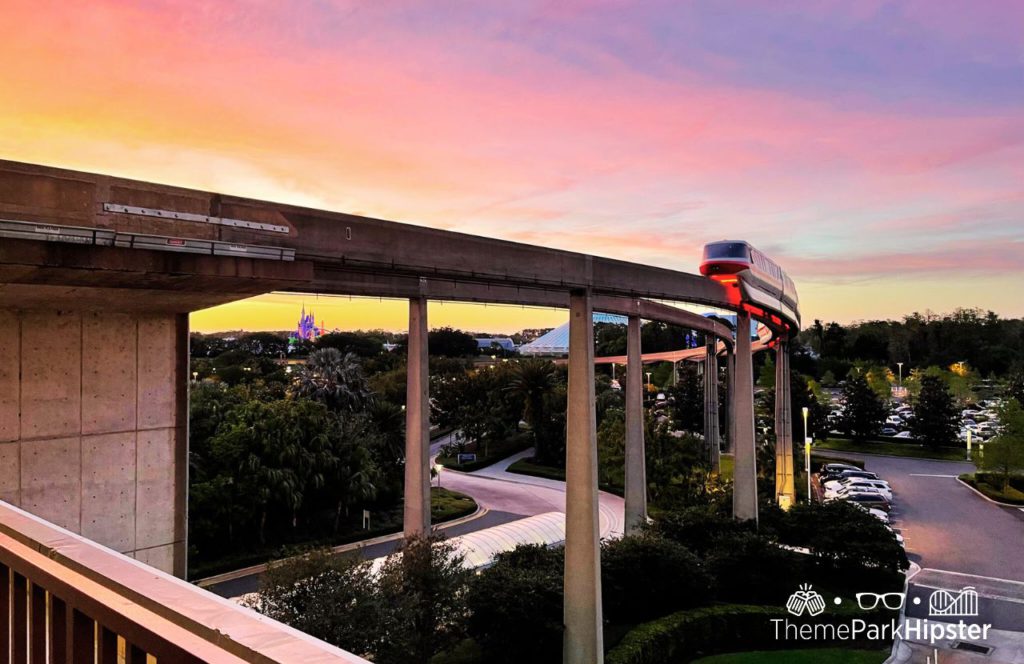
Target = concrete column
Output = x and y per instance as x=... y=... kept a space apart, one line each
x=785 y=490
x=583 y=640
x=730 y=400
x=744 y=493
x=636 y=475
x=711 y=404
x=417 y=424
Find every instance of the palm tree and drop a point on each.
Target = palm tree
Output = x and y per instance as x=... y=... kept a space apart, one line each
x=533 y=380
x=335 y=380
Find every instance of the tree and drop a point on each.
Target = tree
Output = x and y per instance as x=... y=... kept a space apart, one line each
x=330 y=597
x=687 y=399
x=423 y=591
x=1006 y=454
x=335 y=380
x=358 y=343
x=864 y=411
x=1015 y=390
x=281 y=449
x=449 y=342
x=936 y=418
x=534 y=382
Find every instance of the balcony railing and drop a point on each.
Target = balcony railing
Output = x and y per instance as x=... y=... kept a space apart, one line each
x=67 y=600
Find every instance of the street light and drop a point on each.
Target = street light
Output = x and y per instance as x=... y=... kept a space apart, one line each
x=807 y=454
x=437 y=469
x=648 y=380
x=900 y=365
x=195 y=376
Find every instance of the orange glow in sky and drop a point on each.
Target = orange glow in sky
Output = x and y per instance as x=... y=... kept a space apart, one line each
x=875 y=150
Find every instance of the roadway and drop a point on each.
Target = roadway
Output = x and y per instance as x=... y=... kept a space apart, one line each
x=959 y=539
x=501 y=496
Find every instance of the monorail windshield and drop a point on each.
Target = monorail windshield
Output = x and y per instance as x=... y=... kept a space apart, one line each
x=720 y=250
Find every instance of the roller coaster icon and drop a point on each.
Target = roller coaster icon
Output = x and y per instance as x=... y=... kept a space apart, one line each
x=950 y=603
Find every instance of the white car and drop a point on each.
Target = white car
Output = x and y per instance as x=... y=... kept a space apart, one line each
x=894 y=419
x=878 y=514
x=859 y=486
x=902 y=434
x=899 y=538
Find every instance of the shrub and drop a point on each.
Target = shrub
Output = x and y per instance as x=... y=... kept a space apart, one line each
x=751 y=569
x=422 y=591
x=699 y=528
x=516 y=606
x=647 y=575
x=683 y=636
x=850 y=548
x=330 y=597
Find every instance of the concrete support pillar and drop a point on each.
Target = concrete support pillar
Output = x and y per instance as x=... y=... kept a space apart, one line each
x=785 y=489
x=636 y=475
x=417 y=424
x=730 y=401
x=744 y=493
x=583 y=638
x=711 y=436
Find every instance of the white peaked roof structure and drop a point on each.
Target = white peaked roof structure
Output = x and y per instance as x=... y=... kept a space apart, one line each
x=556 y=342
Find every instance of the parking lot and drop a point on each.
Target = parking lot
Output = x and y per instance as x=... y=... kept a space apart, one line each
x=956 y=536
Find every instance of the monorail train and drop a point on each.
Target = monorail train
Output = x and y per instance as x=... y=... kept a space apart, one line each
x=737 y=258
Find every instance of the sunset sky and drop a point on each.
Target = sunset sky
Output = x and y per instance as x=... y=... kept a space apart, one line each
x=874 y=149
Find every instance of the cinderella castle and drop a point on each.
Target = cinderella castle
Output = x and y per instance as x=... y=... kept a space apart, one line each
x=307 y=329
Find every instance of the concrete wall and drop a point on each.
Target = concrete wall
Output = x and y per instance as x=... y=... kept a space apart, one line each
x=93 y=426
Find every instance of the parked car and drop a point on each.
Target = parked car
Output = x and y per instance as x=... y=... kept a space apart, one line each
x=888 y=431
x=875 y=500
x=827 y=468
x=877 y=513
x=844 y=474
x=836 y=489
x=902 y=434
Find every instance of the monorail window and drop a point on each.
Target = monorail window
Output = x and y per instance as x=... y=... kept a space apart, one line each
x=737 y=250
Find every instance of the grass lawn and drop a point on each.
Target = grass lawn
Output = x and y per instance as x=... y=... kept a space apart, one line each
x=726 y=465
x=892 y=449
x=528 y=467
x=992 y=486
x=446 y=505
x=822 y=656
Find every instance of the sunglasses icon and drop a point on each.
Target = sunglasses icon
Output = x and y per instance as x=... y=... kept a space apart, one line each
x=869 y=601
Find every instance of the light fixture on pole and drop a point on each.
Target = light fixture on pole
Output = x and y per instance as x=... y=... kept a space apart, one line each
x=648 y=381
x=807 y=453
x=900 y=365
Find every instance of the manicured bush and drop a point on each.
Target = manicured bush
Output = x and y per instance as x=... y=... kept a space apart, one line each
x=645 y=576
x=850 y=548
x=699 y=529
x=751 y=569
x=686 y=635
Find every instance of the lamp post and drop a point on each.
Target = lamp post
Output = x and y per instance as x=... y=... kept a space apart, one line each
x=648 y=380
x=968 y=444
x=807 y=454
x=900 y=383
x=437 y=469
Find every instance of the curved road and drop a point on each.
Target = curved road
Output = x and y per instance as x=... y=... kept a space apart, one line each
x=503 y=497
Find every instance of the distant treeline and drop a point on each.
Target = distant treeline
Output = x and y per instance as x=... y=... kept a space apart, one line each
x=991 y=346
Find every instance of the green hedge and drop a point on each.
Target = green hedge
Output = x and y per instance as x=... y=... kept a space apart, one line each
x=687 y=635
x=991 y=484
